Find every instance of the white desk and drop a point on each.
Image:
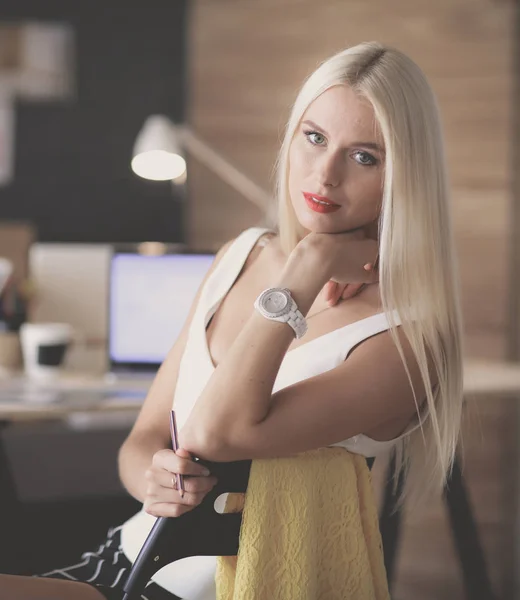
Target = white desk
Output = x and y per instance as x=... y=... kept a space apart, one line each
x=23 y=400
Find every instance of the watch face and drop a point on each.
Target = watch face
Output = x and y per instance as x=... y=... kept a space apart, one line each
x=275 y=302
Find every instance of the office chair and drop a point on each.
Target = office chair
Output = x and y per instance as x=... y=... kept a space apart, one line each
x=204 y=532
x=199 y=532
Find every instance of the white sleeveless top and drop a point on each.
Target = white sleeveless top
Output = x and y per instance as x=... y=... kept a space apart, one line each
x=193 y=578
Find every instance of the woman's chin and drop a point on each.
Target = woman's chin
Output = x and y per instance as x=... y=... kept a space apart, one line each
x=315 y=226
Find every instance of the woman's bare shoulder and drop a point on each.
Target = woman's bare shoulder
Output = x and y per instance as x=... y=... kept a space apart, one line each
x=265 y=246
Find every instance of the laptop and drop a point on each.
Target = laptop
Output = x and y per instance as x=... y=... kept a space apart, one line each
x=149 y=298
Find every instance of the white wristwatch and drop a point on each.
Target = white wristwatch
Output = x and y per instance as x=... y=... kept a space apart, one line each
x=277 y=304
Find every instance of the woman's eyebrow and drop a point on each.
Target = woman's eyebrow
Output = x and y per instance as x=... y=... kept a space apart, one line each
x=314 y=126
x=371 y=145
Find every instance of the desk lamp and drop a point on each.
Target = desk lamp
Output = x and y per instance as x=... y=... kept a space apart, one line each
x=158 y=155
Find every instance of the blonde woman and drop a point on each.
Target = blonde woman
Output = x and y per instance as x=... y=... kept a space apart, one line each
x=332 y=336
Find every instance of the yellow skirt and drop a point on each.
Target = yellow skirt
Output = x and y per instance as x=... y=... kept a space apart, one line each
x=309 y=531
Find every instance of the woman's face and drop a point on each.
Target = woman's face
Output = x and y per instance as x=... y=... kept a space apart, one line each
x=337 y=157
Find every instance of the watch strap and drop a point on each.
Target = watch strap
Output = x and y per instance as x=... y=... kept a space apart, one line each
x=296 y=320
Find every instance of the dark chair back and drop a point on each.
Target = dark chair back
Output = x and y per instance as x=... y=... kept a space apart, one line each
x=199 y=532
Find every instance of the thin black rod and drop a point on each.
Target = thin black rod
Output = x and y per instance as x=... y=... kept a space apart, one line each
x=513 y=330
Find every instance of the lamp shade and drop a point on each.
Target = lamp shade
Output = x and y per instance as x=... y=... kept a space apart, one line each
x=157 y=154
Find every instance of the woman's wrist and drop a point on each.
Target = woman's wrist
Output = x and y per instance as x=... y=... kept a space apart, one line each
x=303 y=276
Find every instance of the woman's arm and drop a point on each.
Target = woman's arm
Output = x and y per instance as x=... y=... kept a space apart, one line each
x=238 y=394
x=151 y=432
x=237 y=416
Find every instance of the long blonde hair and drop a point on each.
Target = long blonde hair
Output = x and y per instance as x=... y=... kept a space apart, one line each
x=418 y=275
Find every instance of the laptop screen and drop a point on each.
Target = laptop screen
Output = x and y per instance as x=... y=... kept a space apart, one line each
x=149 y=300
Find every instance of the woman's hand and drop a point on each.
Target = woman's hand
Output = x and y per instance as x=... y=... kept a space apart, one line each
x=333 y=291
x=162 y=499
x=347 y=259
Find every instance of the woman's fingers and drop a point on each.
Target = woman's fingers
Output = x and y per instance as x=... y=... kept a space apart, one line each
x=330 y=289
x=335 y=294
x=160 y=500
x=159 y=506
x=345 y=291
x=372 y=269
x=158 y=493
x=192 y=484
x=341 y=290
x=333 y=290
x=351 y=290
x=183 y=453
x=175 y=463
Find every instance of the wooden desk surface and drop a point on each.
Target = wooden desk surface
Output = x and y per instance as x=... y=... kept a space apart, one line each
x=21 y=400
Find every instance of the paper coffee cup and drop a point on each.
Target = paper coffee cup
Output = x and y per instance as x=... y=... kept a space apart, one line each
x=44 y=347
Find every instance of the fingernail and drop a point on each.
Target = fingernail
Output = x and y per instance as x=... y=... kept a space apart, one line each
x=205 y=472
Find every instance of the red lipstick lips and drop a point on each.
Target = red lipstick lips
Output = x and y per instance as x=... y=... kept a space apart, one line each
x=320 y=204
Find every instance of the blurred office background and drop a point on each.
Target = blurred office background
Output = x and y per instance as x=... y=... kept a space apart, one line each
x=230 y=69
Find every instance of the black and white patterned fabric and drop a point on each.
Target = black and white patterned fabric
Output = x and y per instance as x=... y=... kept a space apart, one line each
x=107 y=570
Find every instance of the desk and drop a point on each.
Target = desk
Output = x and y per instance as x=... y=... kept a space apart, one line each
x=72 y=396
x=480 y=378
x=93 y=393
x=22 y=400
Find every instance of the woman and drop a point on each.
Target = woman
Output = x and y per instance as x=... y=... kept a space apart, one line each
x=361 y=181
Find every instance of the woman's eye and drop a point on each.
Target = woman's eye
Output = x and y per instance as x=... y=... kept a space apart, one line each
x=315 y=138
x=364 y=158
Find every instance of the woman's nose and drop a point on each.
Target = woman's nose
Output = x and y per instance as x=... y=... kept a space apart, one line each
x=330 y=170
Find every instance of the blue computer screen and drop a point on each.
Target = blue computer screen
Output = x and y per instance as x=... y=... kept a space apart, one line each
x=150 y=298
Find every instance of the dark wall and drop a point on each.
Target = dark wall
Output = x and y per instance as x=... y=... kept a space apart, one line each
x=72 y=171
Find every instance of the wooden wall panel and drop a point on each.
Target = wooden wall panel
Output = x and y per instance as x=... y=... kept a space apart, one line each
x=247 y=61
